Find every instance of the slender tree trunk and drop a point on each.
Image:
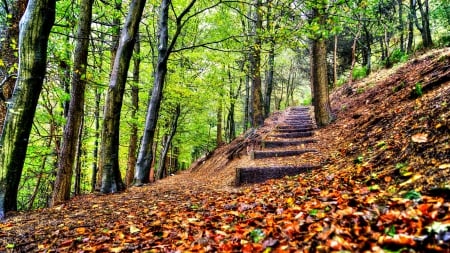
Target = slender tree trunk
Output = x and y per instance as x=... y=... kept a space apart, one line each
x=425 y=19
x=335 y=77
x=35 y=29
x=401 y=26
x=166 y=145
x=132 y=148
x=352 y=66
x=410 y=28
x=111 y=178
x=219 y=138
x=269 y=79
x=78 y=165
x=247 y=103
x=72 y=130
x=256 y=108
x=96 y=140
x=8 y=54
x=145 y=156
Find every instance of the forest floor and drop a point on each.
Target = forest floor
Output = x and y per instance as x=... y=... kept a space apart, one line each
x=383 y=186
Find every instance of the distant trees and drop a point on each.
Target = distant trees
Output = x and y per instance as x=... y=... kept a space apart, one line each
x=33 y=40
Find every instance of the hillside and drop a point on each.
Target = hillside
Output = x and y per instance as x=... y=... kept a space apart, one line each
x=383 y=186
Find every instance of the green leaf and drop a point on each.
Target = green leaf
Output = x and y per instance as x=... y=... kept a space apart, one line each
x=390 y=231
x=10 y=246
x=412 y=195
x=257 y=235
x=313 y=212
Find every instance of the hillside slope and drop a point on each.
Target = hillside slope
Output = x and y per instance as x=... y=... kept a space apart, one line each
x=383 y=187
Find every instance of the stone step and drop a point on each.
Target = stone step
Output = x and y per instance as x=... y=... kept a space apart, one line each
x=278 y=144
x=294 y=130
x=293 y=135
x=281 y=153
x=284 y=126
x=261 y=174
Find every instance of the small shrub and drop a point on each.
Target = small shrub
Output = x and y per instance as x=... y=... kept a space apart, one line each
x=444 y=40
x=398 y=56
x=359 y=72
x=307 y=101
x=418 y=89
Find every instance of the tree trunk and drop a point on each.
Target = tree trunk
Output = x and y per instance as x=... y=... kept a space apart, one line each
x=425 y=19
x=145 y=156
x=335 y=77
x=78 y=165
x=163 y=156
x=319 y=78
x=256 y=103
x=410 y=28
x=132 y=148
x=111 y=178
x=35 y=29
x=8 y=54
x=401 y=26
x=219 y=138
x=96 y=140
x=115 y=37
x=269 y=79
x=72 y=130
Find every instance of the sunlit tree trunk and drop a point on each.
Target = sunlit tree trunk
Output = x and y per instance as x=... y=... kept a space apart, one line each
x=132 y=148
x=111 y=178
x=72 y=130
x=14 y=10
x=319 y=78
x=35 y=27
x=145 y=155
x=219 y=136
x=256 y=102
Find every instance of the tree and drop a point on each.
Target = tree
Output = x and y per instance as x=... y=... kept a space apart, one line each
x=256 y=106
x=72 y=130
x=111 y=178
x=35 y=29
x=145 y=155
x=319 y=73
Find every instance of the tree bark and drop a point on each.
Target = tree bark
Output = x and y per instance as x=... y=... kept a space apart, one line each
x=256 y=102
x=8 y=54
x=111 y=178
x=319 y=78
x=219 y=138
x=132 y=148
x=72 y=130
x=145 y=155
x=35 y=27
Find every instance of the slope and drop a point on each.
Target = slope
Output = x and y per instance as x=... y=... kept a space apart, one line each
x=383 y=186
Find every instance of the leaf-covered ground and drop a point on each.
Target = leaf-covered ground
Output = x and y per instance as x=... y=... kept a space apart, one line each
x=383 y=187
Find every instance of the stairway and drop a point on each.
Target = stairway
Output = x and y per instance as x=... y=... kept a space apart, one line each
x=284 y=151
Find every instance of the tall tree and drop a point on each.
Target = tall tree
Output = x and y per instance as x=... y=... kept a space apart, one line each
x=145 y=155
x=72 y=130
x=35 y=29
x=111 y=178
x=256 y=101
x=319 y=72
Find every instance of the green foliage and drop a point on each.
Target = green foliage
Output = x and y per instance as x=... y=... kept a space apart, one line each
x=307 y=100
x=398 y=56
x=418 y=89
x=444 y=40
x=359 y=72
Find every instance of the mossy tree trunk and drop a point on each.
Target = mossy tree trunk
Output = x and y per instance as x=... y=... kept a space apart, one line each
x=109 y=160
x=35 y=27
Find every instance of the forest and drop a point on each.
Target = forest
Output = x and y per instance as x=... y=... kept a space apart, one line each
x=100 y=96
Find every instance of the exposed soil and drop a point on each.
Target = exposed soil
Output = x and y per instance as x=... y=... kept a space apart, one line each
x=383 y=185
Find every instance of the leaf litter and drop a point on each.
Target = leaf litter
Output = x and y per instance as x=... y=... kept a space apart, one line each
x=383 y=187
